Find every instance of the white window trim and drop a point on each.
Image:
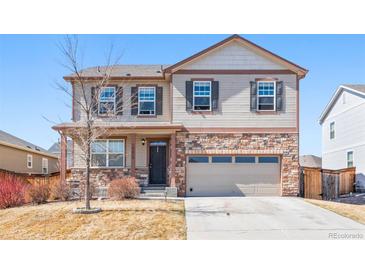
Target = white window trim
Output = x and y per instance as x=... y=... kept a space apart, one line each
x=154 y=102
x=106 y=101
x=44 y=160
x=334 y=130
x=347 y=158
x=30 y=160
x=258 y=96
x=210 y=100
x=107 y=154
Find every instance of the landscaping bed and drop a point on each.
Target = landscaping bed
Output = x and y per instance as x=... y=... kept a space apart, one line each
x=119 y=220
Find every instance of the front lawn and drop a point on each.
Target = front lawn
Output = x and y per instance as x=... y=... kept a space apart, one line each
x=119 y=220
x=352 y=211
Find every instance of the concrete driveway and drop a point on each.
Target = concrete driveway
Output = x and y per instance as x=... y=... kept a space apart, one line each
x=265 y=218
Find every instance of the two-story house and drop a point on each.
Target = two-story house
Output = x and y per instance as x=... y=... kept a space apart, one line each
x=343 y=131
x=223 y=122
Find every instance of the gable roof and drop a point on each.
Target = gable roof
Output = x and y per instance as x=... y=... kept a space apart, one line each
x=356 y=88
x=310 y=161
x=56 y=147
x=290 y=65
x=123 y=71
x=13 y=141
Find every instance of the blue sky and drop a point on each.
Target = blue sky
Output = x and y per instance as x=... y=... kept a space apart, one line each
x=30 y=65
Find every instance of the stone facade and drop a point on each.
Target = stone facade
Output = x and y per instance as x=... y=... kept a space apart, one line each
x=100 y=178
x=284 y=145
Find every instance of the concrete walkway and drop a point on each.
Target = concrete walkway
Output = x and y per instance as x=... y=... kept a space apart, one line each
x=265 y=218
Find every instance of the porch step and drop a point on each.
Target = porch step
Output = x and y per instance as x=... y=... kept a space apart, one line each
x=153 y=191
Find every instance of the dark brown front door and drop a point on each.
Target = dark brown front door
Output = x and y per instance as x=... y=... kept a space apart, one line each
x=157 y=167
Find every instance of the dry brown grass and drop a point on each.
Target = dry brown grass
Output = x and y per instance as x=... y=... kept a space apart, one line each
x=119 y=220
x=354 y=212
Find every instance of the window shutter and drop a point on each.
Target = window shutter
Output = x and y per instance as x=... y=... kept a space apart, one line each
x=215 y=95
x=279 y=95
x=134 y=101
x=253 y=96
x=94 y=101
x=119 y=100
x=159 y=94
x=189 y=95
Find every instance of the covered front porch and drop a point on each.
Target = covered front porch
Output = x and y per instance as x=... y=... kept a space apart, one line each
x=147 y=153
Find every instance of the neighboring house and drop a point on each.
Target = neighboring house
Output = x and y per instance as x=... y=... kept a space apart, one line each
x=56 y=150
x=310 y=161
x=343 y=131
x=222 y=122
x=21 y=156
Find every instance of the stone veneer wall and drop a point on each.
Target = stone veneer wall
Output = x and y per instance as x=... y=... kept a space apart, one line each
x=101 y=177
x=283 y=144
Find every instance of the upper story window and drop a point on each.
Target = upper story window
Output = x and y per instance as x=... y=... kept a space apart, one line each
x=146 y=101
x=107 y=153
x=29 y=161
x=332 y=130
x=350 y=159
x=202 y=95
x=44 y=165
x=107 y=100
x=266 y=95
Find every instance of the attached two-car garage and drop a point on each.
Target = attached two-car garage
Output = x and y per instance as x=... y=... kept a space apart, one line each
x=239 y=175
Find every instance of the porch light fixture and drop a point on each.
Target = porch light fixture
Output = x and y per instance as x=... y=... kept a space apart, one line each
x=143 y=141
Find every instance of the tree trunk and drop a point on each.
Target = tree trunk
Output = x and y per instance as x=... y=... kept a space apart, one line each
x=87 y=185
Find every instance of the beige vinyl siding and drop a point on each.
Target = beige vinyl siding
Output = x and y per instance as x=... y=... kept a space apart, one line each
x=233 y=56
x=15 y=160
x=127 y=117
x=234 y=103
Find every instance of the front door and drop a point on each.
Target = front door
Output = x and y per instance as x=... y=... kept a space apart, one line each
x=157 y=166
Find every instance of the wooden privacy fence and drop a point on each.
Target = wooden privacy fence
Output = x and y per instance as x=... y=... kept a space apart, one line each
x=38 y=178
x=325 y=184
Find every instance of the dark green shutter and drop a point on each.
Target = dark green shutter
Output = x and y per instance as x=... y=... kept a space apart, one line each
x=94 y=102
x=279 y=95
x=134 y=101
x=189 y=95
x=253 y=96
x=119 y=100
x=159 y=95
x=215 y=95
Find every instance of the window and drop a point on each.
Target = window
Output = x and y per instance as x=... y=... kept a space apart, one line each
x=29 y=161
x=268 y=160
x=266 y=96
x=246 y=159
x=107 y=153
x=350 y=159
x=332 y=130
x=202 y=91
x=199 y=159
x=146 y=100
x=107 y=101
x=44 y=165
x=221 y=159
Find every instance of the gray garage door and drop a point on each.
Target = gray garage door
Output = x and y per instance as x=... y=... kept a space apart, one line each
x=233 y=176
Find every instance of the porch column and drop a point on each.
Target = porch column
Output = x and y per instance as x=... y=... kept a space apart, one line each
x=63 y=158
x=173 y=160
x=133 y=155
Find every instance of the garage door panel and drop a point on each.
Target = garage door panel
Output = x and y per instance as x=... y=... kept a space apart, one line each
x=233 y=179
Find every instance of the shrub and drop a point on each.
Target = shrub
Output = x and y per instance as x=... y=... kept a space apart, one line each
x=125 y=188
x=38 y=192
x=12 y=190
x=60 y=191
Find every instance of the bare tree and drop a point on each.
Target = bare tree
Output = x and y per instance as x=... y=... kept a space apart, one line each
x=86 y=97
